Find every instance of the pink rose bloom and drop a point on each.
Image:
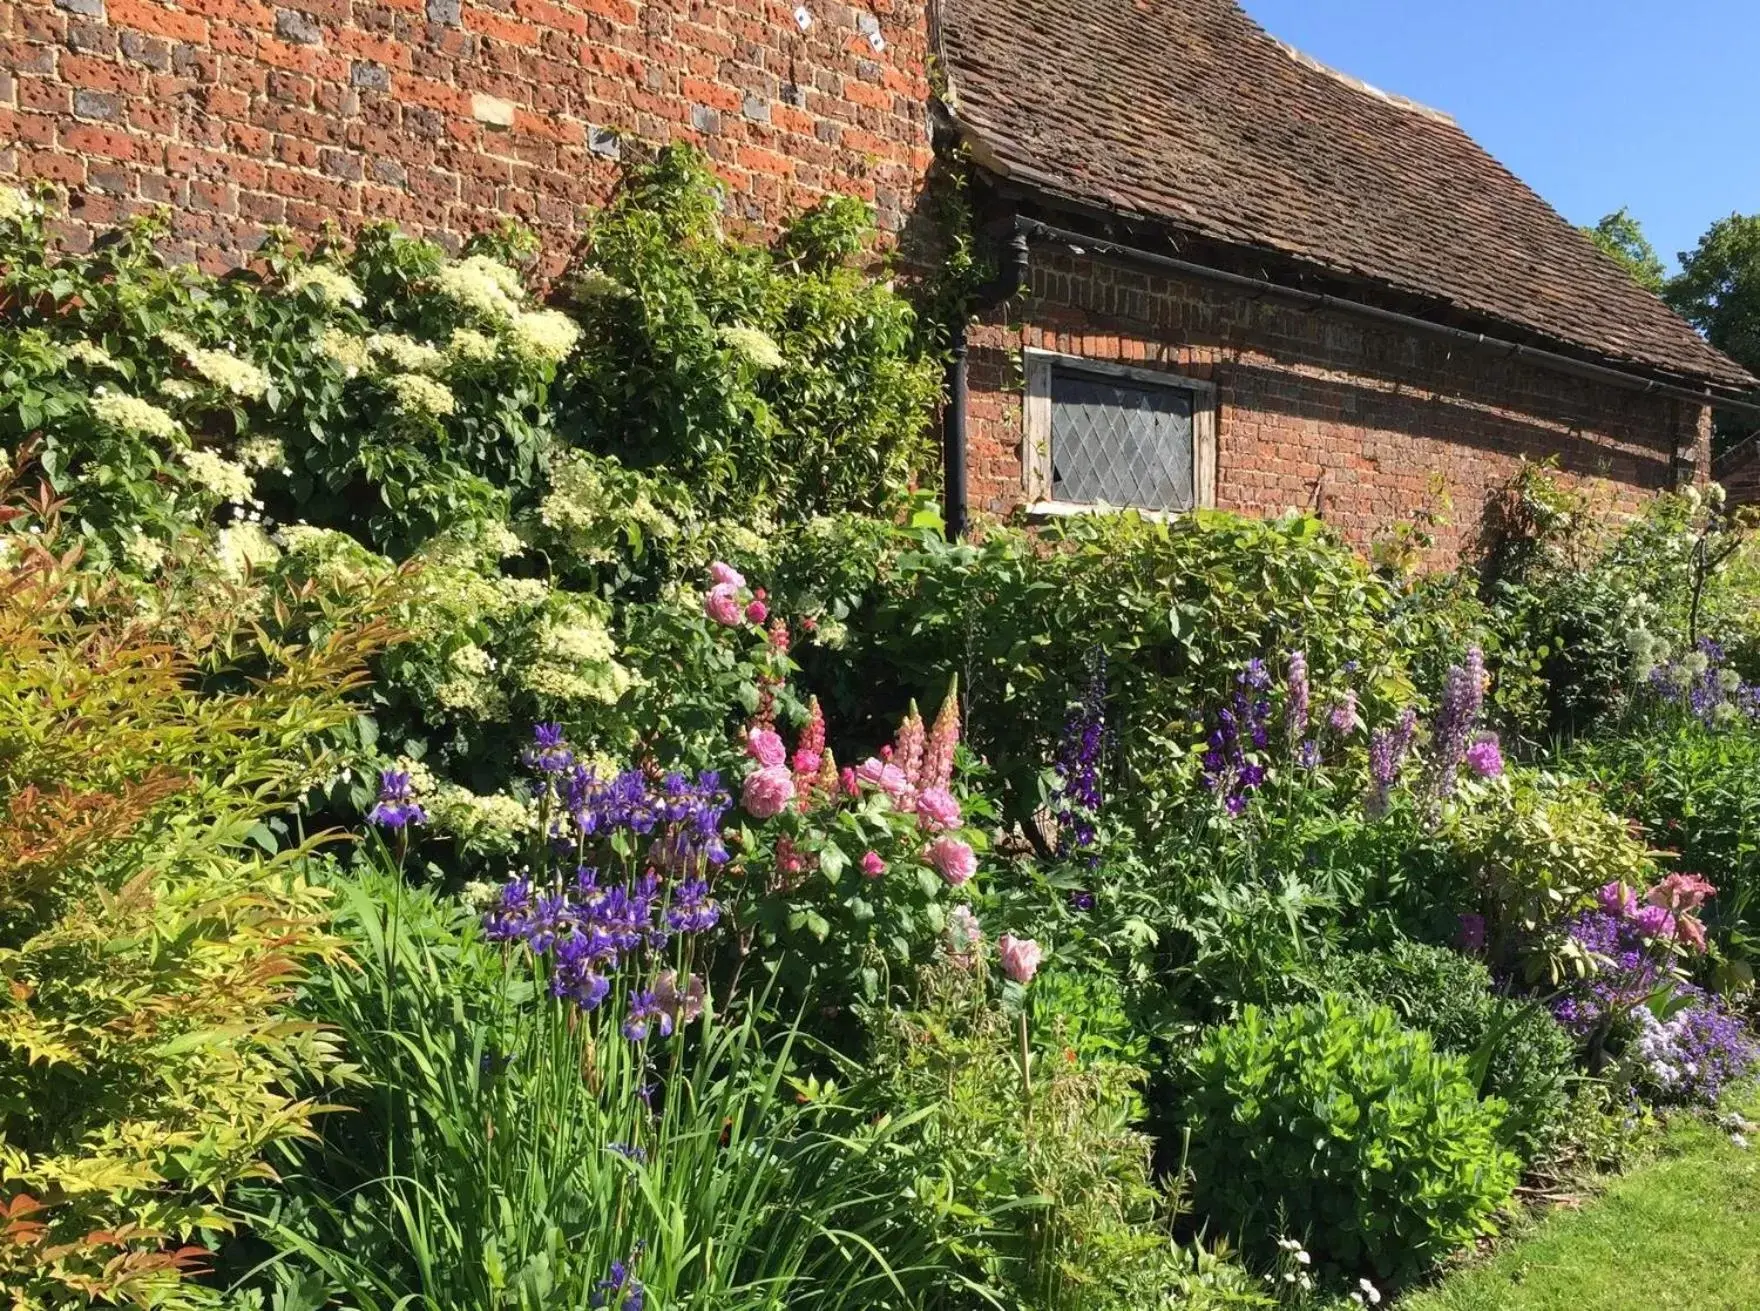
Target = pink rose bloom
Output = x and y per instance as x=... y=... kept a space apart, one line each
x=764 y=745
x=872 y=865
x=1020 y=957
x=767 y=791
x=722 y=605
x=846 y=779
x=757 y=612
x=807 y=763
x=885 y=775
x=954 y=860
x=1681 y=892
x=1691 y=933
x=725 y=575
x=938 y=809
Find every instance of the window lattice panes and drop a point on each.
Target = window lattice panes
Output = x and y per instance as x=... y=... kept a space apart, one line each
x=1121 y=442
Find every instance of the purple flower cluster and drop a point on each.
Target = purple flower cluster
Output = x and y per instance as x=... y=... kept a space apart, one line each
x=549 y=752
x=1388 y=748
x=1463 y=698
x=397 y=807
x=1229 y=769
x=682 y=815
x=1079 y=756
x=620 y=1290
x=1627 y=975
x=1298 y=695
x=1704 y=686
x=1692 y=1055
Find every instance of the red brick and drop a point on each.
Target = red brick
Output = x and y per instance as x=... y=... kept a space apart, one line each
x=145 y=16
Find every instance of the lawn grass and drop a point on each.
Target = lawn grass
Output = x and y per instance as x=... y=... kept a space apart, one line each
x=1680 y=1231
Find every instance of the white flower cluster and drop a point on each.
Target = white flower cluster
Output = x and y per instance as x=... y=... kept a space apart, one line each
x=262 y=453
x=333 y=558
x=223 y=370
x=241 y=548
x=406 y=354
x=178 y=389
x=755 y=345
x=495 y=823
x=575 y=658
x=469 y=688
x=131 y=414
x=482 y=285
x=16 y=205
x=345 y=350
x=228 y=481
x=330 y=283
x=419 y=395
x=547 y=336
x=468 y=346
x=586 y=508
x=596 y=284
x=145 y=553
x=92 y=355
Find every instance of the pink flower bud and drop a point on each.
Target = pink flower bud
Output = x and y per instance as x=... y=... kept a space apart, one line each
x=1020 y=957
x=872 y=865
x=954 y=860
x=757 y=612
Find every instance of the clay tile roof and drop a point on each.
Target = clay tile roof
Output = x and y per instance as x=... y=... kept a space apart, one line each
x=1186 y=112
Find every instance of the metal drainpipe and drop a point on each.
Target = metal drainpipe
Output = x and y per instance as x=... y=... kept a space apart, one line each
x=953 y=434
x=1012 y=277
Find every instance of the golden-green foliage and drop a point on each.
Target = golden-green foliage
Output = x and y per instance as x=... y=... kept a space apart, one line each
x=149 y=931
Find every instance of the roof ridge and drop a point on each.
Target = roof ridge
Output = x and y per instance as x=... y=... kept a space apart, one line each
x=1358 y=84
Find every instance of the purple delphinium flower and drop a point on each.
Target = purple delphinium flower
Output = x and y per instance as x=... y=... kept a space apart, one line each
x=1343 y=715
x=1295 y=709
x=1388 y=748
x=1308 y=754
x=1081 y=900
x=397 y=807
x=1463 y=697
x=1077 y=767
x=1243 y=726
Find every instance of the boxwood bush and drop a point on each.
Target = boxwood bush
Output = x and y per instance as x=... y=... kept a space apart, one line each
x=1332 y=1123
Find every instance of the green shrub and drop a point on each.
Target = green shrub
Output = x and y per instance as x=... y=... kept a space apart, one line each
x=776 y=385
x=1334 y=1124
x=1051 y=1201
x=1527 y=1057
x=150 y=931
x=1531 y=848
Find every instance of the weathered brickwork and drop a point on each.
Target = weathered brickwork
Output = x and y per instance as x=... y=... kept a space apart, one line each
x=447 y=115
x=1322 y=411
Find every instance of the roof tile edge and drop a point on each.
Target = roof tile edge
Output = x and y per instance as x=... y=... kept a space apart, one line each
x=1357 y=83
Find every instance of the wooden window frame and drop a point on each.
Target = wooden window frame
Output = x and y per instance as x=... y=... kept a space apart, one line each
x=1036 y=432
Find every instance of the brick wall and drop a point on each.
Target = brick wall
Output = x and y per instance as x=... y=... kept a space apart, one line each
x=446 y=115
x=1319 y=410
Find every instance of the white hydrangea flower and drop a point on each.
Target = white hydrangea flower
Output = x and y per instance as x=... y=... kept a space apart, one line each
x=595 y=284
x=544 y=335
x=522 y=591
x=227 y=480
x=262 y=453
x=469 y=346
x=146 y=554
x=331 y=283
x=345 y=350
x=496 y=822
x=483 y=285
x=418 y=395
x=131 y=414
x=242 y=547
x=178 y=389
x=407 y=354
x=223 y=370
x=15 y=205
x=92 y=355
x=757 y=346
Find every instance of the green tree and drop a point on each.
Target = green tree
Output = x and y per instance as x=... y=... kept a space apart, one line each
x=1622 y=236
x=1718 y=290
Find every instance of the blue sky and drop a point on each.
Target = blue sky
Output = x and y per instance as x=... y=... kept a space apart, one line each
x=1651 y=105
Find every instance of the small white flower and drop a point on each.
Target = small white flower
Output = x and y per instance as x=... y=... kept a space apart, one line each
x=1370 y=1291
x=1740 y=1140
